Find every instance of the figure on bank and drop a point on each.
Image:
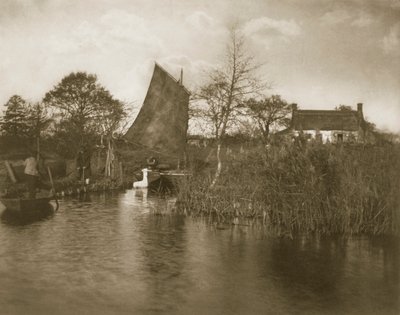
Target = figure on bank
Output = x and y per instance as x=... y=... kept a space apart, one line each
x=83 y=164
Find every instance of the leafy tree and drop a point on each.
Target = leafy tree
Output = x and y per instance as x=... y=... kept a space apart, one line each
x=110 y=116
x=65 y=138
x=85 y=107
x=222 y=99
x=14 y=123
x=344 y=108
x=38 y=121
x=269 y=112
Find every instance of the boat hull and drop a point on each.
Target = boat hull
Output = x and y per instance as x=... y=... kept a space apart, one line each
x=168 y=180
x=22 y=205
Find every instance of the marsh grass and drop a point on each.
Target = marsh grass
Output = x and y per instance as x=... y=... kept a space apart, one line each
x=311 y=189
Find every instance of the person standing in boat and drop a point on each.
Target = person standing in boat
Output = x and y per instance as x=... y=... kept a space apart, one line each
x=31 y=174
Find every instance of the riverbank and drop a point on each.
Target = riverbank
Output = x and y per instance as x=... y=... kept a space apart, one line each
x=68 y=187
x=290 y=189
x=311 y=189
x=64 y=171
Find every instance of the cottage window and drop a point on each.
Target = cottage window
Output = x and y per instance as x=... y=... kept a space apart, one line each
x=340 y=137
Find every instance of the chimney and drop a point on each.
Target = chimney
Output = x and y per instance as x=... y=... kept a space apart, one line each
x=294 y=107
x=360 y=112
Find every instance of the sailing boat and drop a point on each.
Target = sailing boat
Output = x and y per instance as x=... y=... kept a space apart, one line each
x=159 y=130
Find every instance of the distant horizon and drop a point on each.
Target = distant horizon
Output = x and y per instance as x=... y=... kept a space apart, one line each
x=318 y=54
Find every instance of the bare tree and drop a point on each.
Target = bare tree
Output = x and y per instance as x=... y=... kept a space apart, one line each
x=268 y=113
x=111 y=115
x=223 y=98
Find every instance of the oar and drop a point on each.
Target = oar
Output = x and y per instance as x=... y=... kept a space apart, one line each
x=52 y=186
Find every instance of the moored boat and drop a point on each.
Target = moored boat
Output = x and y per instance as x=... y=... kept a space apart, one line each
x=168 y=180
x=17 y=203
x=161 y=180
x=160 y=129
x=25 y=205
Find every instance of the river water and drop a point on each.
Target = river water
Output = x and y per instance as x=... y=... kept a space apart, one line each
x=110 y=254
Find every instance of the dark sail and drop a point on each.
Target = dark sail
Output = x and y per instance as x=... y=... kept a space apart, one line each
x=162 y=122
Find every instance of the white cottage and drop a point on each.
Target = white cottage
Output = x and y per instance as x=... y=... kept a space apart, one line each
x=333 y=126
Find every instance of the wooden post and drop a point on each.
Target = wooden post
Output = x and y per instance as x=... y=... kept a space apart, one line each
x=37 y=148
x=52 y=187
x=10 y=172
x=51 y=179
x=121 y=174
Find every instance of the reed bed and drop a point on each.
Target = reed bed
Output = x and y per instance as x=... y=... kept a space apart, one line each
x=303 y=189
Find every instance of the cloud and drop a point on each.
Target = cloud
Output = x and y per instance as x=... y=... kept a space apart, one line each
x=128 y=28
x=195 y=72
x=356 y=18
x=391 y=42
x=109 y=45
x=363 y=20
x=115 y=32
x=395 y=4
x=336 y=16
x=265 y=25
x=200 y=20
x=267 y=32
x=12 y=9
x=205 y=24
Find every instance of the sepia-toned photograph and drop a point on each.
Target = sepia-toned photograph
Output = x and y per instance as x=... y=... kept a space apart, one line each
x=199 y=157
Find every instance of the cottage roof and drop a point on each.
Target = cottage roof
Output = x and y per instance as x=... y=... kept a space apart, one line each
x=348 y=120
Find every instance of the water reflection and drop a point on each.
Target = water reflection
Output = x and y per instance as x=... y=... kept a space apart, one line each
x=110 y=254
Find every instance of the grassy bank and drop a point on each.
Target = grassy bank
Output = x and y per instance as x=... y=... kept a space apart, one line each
x=322 y=189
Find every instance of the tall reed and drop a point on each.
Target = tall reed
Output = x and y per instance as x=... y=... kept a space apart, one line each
x=313 y=188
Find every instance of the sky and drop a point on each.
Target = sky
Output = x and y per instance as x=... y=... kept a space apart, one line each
x=316 y=53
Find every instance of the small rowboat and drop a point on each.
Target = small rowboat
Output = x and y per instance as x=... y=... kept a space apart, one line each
x=20 y=205
x=24 y=205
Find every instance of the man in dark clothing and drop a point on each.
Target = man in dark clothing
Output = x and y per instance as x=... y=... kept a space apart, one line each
x=83 y=164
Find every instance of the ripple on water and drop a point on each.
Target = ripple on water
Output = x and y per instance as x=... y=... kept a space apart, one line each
x=109 y=254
